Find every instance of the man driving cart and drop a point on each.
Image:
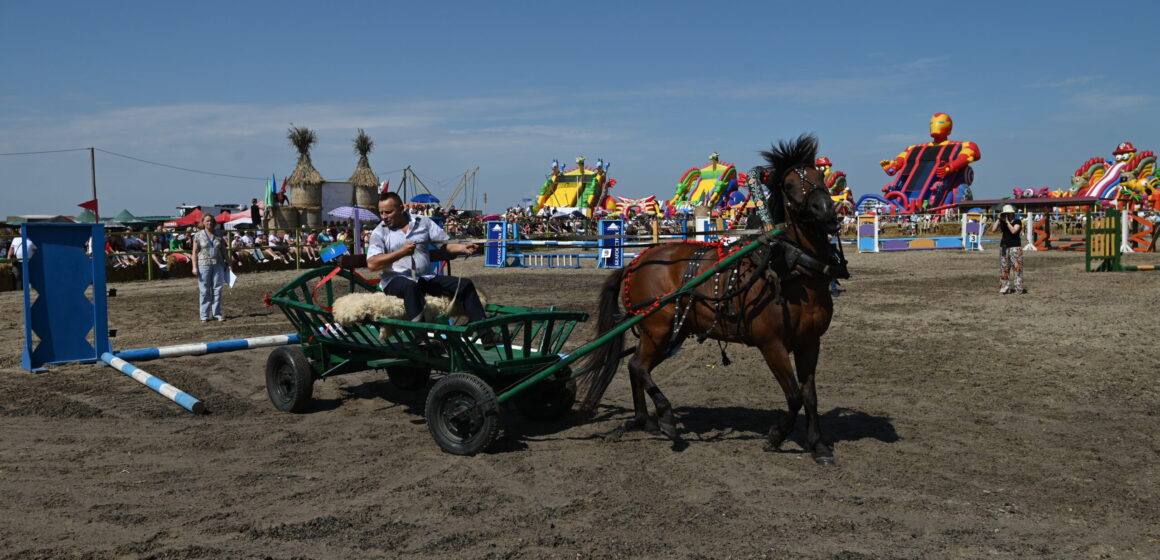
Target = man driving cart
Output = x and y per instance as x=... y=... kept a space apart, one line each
x=400 y=249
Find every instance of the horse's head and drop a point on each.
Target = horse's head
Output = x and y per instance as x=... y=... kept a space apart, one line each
x=798 y=192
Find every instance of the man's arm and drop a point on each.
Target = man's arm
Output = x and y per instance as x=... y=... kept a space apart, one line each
x=384 y=260
x=452 y=250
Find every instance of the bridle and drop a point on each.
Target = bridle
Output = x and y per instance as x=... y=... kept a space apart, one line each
x=807 y=187
x=794 y=214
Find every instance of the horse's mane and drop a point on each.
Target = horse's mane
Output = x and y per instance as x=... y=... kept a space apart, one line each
x=784 y=156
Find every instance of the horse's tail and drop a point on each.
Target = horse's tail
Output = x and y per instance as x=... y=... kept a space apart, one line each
x=600 y=365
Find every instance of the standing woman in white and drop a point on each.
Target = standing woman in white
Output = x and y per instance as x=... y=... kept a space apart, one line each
x=211 y=268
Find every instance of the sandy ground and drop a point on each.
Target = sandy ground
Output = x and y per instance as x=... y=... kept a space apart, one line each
x=966 y=425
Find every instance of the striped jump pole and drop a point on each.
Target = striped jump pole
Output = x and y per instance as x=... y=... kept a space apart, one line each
x=551 y=243
x=199 y=348
x=170 y=392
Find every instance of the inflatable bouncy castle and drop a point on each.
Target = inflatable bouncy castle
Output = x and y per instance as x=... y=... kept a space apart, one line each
x=840 y=192
x=582 y=188
x=629 y=207
x=714 y=186
x=1129 y=180
x=931 y=176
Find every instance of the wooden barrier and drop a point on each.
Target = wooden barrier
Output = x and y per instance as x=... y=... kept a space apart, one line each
x=1140 y=241
x=1043 y=241
x=1104 y=249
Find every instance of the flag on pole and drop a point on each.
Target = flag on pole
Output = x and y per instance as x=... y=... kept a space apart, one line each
x=270 y=191
x=91 y=206
x=386 y=187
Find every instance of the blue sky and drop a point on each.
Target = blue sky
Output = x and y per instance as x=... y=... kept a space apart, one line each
x=652 y=87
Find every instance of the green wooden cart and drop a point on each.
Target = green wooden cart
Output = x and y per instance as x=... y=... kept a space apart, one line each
x=462 y=407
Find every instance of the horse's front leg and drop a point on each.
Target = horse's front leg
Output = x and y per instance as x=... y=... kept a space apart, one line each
x=806 y=359
x=777 y=358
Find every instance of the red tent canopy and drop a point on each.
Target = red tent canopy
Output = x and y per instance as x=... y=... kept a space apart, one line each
x=194 y=218
x=190 y=219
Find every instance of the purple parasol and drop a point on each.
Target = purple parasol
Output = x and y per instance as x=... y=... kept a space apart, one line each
x=359 y=215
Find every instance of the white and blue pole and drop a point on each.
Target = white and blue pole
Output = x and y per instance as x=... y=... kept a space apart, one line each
x=151 y=381
x=199 y=348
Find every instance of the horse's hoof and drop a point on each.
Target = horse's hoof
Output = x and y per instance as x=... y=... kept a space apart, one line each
x=668 y=430
x=774 y=441
x=825 y=460
x=646 y=424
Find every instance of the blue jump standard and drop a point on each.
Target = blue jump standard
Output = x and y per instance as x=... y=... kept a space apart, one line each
x=199 y=348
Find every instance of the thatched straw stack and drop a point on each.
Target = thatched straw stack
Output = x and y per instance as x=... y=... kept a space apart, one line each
x=364 y=180
x=305 y=182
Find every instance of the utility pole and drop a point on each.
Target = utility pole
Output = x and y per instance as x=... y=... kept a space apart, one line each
x=406 y=172
x=93 y=174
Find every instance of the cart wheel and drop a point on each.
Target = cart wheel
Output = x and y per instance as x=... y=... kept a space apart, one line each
x=409 y=378
x=547 y=400
x=289 y=379
x=462 y=414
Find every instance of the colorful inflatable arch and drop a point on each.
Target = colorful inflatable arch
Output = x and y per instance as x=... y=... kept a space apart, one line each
x=629 y=207
x=931 y=176
x=713 y=186
x=584 y=188
x=1129 y=180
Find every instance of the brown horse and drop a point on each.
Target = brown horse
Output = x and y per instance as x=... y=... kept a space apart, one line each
x=776 y=298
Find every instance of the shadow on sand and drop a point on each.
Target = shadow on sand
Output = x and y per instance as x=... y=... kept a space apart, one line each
x=695 y=424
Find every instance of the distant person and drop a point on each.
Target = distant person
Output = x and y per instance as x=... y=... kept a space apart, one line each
x=178 y=242
x=1010 y=251
x=211 y=268
x=5 y=242
x=16 y=251
x=255 y=213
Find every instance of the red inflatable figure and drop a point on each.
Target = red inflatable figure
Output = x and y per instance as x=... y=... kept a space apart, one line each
x=929 y=175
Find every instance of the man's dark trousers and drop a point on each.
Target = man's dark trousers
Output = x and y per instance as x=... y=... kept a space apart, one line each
x=412 y=292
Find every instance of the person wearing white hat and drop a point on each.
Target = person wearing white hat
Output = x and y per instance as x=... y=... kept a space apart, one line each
x=1010 y=251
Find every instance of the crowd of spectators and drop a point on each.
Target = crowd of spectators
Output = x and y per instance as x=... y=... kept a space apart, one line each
x=164 y=247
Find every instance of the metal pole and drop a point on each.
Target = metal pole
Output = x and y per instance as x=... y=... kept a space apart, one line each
x=406 y=171
x=93 y=175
